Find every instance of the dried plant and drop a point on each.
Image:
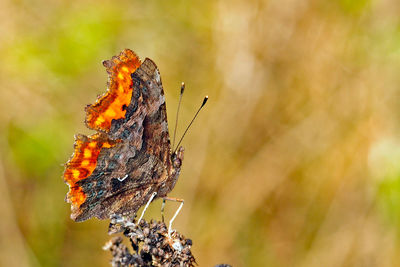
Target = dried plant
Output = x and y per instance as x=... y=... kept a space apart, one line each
x=151 y=244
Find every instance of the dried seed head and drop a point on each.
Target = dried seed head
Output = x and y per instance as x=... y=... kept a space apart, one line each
x=157 y=247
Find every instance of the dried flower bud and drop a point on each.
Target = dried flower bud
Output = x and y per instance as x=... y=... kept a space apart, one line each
x=146 y=248
x=146 y=231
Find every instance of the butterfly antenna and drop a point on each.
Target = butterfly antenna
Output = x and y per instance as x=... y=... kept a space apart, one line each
x=177 y=111
x=187 y=128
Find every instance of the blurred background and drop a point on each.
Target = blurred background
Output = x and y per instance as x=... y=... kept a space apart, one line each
x=295 y=161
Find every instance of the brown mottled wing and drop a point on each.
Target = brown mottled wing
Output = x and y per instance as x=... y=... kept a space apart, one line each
x=130 y=170
x=109 y=107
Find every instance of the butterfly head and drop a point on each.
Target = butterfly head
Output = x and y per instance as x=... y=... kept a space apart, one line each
x=177 y=158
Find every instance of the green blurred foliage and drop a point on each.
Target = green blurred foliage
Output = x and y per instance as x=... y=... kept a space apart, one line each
x=294 y=162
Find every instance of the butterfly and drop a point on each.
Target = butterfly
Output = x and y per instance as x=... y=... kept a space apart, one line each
x=129 y=159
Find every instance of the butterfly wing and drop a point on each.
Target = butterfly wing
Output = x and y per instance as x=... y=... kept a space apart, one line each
x=132 y=155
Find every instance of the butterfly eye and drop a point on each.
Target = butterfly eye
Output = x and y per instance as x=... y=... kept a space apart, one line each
x=177 y=162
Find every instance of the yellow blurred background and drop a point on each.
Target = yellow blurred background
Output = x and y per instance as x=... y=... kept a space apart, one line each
x=295 y=161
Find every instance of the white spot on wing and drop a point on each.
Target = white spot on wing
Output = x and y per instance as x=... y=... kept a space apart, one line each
x=123 y=178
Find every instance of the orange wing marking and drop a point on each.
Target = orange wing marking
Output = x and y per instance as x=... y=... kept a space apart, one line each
x=110 y=106
x=82 y=164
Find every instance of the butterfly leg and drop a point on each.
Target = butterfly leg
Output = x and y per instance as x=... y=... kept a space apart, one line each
x=176 y=213
x=147 y=205
x=162 y=209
